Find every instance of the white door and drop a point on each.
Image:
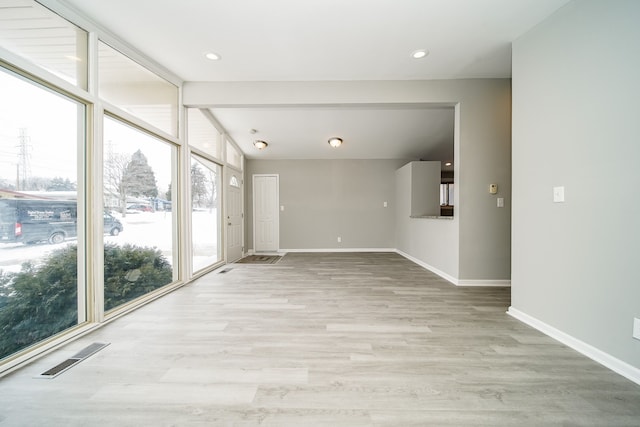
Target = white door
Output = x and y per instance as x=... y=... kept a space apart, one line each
x=234 y=217
x=266 y=217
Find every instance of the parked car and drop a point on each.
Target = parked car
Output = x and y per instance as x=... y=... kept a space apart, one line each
x=137 y=207
x=34 y=220
x=112 y=225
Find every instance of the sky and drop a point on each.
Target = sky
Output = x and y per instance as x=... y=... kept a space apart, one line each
x=50 y=125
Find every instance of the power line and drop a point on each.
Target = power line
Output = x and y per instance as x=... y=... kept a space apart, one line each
x=24 y=156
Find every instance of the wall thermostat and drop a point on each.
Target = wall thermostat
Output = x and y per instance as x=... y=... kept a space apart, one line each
x=493 y=188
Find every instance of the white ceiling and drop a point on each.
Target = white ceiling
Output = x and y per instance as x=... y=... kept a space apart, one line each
x=316 y=40
x=369 y=132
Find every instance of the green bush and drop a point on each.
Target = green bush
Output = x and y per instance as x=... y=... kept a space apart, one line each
x=131 y=271
x=41 y=300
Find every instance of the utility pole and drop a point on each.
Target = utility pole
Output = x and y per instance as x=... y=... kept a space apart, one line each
x=24 y=155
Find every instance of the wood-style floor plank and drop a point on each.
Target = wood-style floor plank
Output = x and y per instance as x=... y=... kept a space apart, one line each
x=341 y=339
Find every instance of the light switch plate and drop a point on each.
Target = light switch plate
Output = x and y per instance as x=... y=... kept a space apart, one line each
x=500 y=202
x=558 y=194
x=636 y=328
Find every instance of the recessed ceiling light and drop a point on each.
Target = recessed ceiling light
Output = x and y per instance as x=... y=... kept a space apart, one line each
x=213 y=56
x=335 y=142
x=420 y=53
x=259 y=144
x=448 y=164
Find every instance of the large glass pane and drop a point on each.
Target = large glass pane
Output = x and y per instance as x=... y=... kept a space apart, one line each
x=138 y=253
x=130 y=86
x=202 y=134
x=44 y=38
x=39 y=136
x=205 y=212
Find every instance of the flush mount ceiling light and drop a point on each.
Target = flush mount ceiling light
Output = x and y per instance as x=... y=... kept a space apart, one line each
x=448 y=164
x=213 y=56
x=335 y=142
x=420 y=53
x=259 y=144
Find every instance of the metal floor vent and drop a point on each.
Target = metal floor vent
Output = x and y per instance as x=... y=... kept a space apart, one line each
x=73 y=360
x=226 y=270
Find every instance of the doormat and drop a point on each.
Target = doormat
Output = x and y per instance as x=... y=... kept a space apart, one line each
x=260 y=259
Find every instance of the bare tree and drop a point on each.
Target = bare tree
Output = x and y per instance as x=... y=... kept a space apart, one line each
x=115 y=193
x=198 y=185
x=212 y=188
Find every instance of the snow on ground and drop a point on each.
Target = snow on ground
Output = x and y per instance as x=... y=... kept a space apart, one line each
x=152 y=229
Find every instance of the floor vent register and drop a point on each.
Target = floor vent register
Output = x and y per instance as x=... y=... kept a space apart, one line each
x=73 y=360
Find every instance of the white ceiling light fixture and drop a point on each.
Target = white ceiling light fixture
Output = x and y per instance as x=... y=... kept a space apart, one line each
x=419 y=54
x=259 y=144
x=448 y=164
x=213 y=56
x=335 y=142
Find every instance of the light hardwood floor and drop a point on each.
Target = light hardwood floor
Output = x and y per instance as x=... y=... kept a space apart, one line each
x=322 y=340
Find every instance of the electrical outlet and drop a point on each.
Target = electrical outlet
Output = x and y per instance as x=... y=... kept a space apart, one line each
x=636 y=328
x=339 y=239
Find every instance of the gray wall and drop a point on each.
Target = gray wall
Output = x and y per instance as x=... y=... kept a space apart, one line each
x=478 y=242
x=576 y=88
x=476 y=245
x=434 y=242
x=324 y=199
x=484 y=158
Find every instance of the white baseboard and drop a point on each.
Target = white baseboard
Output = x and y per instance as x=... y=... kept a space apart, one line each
x=428 y=267
x=329 y=250
x=252 y=252
x=488 y=283
x=616 y=365
x=453 y=280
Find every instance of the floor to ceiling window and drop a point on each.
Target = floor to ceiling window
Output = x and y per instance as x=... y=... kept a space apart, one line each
x=51 y=279
x=90 y=180
x=205 y=212
x=205 y=142
x=138 y=173
x=41 y=292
